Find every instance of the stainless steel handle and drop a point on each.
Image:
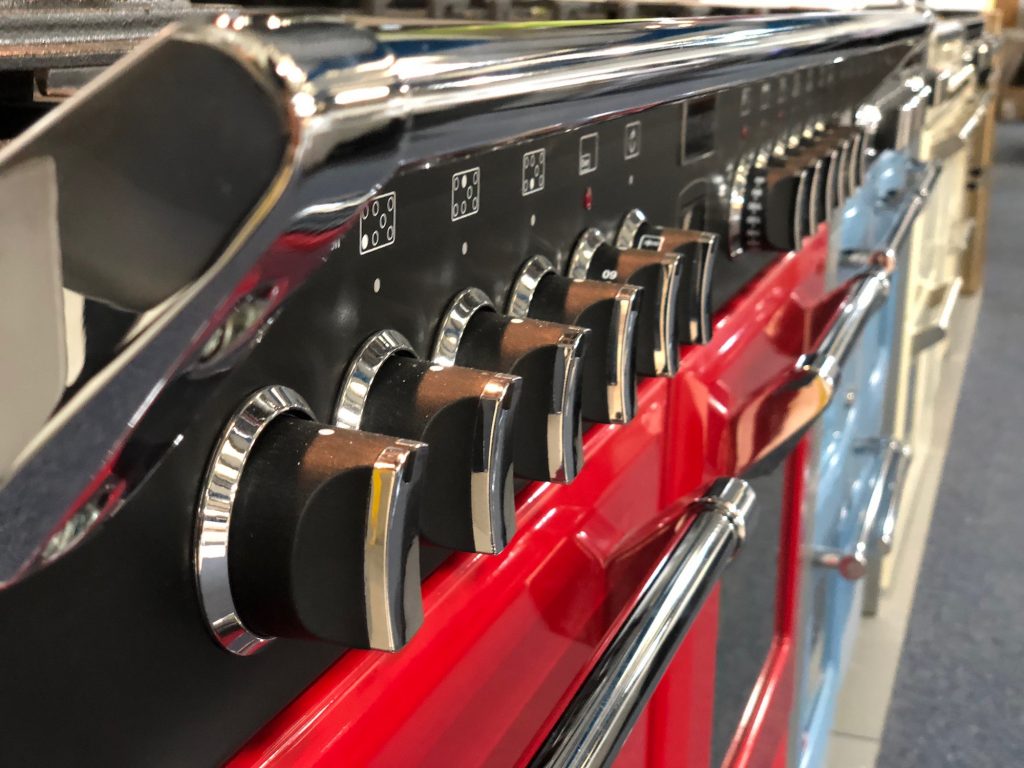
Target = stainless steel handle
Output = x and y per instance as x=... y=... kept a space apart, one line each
x=826 y=361
x=957 y=141
x=937 y=328
x=602 y=713
x=882 y=505
x=887 y=530
x=796 y=401
x=888 y=254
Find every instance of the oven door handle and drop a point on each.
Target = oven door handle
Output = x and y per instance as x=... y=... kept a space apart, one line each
x=883 y=506
x=601 y=715
x=937 y=329
x=958 y=140
x=771 y=424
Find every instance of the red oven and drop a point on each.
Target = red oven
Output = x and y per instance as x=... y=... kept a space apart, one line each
x=507 y=640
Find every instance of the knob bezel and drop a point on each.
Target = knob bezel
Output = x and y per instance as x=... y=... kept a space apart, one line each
x=213 y=520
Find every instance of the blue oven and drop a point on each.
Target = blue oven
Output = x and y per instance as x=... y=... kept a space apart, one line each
x=855 y=467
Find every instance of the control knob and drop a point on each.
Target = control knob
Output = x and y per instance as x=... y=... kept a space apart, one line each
x=464 y=415
x=658 y=273
x=774 y=211
x=322 y=527
x=696 y=250
x=548 y=357
x=609 y=311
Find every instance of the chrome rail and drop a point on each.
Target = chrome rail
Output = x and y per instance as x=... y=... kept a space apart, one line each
x=937 y=328
x=878 y=520
x=597 y=721
x=306 y=92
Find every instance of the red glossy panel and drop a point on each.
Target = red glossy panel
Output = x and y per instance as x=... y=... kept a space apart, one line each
x=764 y=730
x=682 y=706
x=757 y=338
x=504 y=637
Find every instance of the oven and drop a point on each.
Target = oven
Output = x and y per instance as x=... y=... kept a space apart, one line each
x=445 y=390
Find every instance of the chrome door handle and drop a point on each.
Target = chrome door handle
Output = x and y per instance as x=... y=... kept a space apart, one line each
x=601 y=715
x=937 y=328
x=769 y=425
x=882 y=505
x=963 y=135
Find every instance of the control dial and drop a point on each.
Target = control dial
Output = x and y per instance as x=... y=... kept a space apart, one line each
x=549 y=359
x=696 y=251
x=609 y=310
x=322 y=530
x=774 y=208
x=464 y=415
x=658 y=274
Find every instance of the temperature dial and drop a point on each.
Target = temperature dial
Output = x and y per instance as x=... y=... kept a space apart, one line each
x=322 y=525
x=464 y=415
x=658 y=274
x=549 y=359
x=609 y=310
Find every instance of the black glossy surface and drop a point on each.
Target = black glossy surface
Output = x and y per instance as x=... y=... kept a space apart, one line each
x=109 y=643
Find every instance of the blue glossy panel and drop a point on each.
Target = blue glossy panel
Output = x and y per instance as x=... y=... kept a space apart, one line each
x=849 y=458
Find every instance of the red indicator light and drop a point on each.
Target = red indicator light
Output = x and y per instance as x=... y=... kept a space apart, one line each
x=588 y=198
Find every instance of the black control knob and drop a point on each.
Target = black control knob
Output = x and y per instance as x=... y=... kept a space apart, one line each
x=771 y=202
x=322 y=525
x=696 y=250
x=609 y=311
x=658 y=273
x=464 y=415
x=549 y=359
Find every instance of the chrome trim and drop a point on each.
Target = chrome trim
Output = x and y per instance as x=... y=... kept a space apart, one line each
x=486 y=483
x=601 y=715
x=583 y=254
x=818 y=179
x=881 y=506
x=391 y=616
x=213 y=516
x=453 y=325
x=665 y=348
x=801 y=207
x=562 y=464
x=619 y=387
x=628 y=230
x=355 y=386
x=854 y=173
x=737 y=204
x=825 y=363
x=525 y=286
x=937 y=329
x=887 y=530
x=958 y=140
x=334 y=84
x=560 y=432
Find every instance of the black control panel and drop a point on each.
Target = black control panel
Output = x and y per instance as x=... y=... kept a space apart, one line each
x=687 y=200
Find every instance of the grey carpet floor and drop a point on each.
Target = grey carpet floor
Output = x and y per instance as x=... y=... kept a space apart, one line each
x=959 y=693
